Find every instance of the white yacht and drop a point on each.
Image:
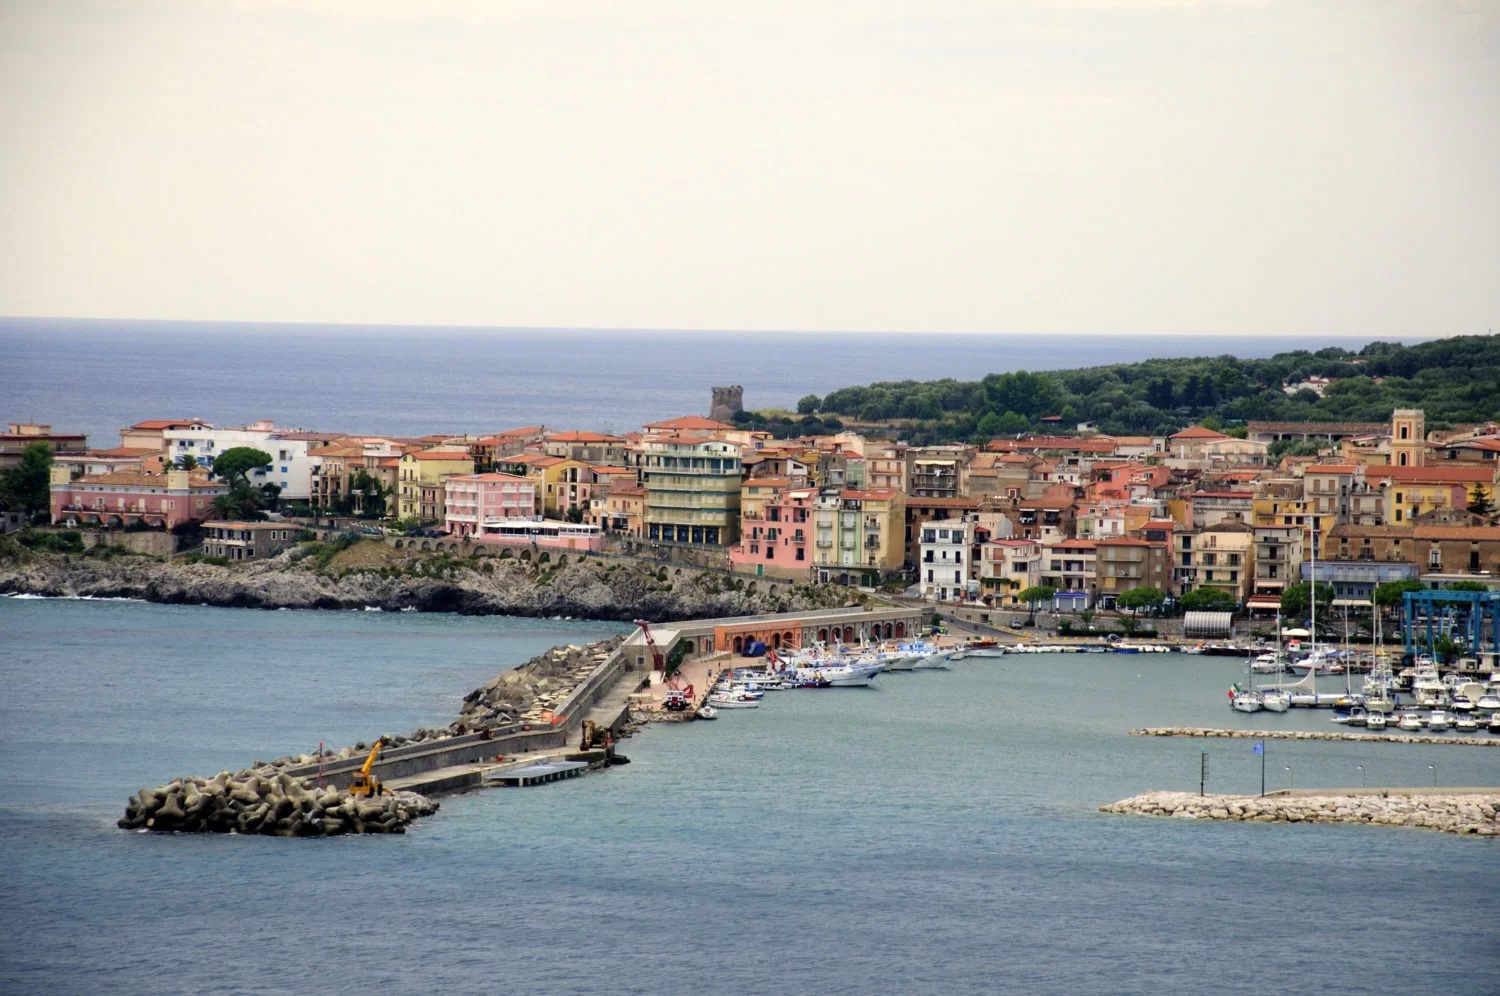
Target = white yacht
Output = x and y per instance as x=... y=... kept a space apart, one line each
x=1465 y=722
x=1410 y=721
x=1438 y=720
x=1375 y=720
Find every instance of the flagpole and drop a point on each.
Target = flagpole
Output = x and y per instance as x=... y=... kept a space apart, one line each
x=1262 y=767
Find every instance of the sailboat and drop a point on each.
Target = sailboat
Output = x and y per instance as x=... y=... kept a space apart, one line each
x=1276 y=699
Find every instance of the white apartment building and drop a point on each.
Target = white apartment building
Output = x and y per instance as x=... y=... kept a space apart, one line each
x=290 y=468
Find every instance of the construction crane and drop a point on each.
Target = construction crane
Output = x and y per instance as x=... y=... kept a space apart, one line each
x=363 y=783
x=659 y=662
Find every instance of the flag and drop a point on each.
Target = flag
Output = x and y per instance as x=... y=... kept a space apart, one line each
x=1259 y=748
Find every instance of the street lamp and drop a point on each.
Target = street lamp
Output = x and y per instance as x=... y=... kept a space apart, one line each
x=1291 y=778
x=1361 y=768
x=1433 y=769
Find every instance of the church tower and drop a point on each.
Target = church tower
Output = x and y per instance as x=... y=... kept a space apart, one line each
x=1408 y=437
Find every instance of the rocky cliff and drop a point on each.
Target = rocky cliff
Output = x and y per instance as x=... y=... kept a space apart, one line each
x=584 y=587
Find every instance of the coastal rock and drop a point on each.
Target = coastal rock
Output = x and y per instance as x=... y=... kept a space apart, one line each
x=584 y=587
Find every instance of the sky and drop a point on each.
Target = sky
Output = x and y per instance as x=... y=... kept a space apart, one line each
x=1052 y=166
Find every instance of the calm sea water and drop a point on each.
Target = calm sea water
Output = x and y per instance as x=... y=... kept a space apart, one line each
x=938 y=834
x=96 y=376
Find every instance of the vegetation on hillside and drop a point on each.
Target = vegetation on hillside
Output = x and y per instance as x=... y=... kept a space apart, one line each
x=1454 y=380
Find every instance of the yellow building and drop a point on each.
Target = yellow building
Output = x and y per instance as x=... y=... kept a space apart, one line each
x=560 y=482
x=858 y=536
x=425 y=469
x=1409 y=491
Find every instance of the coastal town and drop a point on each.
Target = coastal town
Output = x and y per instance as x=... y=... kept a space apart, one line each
x=1067 y=523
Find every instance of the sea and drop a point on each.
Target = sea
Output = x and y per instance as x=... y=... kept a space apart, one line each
x=938 y=833
x=95 y=376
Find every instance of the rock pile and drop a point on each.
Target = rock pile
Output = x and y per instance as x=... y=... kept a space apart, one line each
x=1474 y=814
x=544 y=682
x=1389 y=738
x=251 y=802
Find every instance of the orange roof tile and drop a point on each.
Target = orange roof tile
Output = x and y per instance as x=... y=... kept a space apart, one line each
x=1198 y=432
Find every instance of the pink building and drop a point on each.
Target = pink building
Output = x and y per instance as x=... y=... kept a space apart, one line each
x=473 y=500
x=776 y=537
x=126 y=496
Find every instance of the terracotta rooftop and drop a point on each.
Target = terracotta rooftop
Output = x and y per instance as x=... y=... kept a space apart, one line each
x=690 y=422
x=583 y=437
x=439 y=455
x=1434 y=475
x=1198 y=432
x=140 y=479
x=124 y=451
x=168 y=423
x=1472 y=533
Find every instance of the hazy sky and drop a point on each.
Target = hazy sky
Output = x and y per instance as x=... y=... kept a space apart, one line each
x=1001 y=166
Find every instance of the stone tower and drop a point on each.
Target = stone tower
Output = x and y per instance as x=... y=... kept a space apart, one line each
x=1408 y=437
x=726 y=401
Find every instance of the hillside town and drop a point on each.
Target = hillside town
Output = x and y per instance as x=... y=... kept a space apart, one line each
x=1199 y=518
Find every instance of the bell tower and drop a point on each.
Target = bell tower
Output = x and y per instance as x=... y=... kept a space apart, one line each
x=1408 y=437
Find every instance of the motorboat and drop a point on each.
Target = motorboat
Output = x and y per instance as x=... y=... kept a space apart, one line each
x=1358 y=716
x=1268 y=664
x=1465 y=722
x=983 y=648
x=1462 y=704
x=1494 y=723
x=732 y=700
x=1438 y=720
x=707 y=712
x=1410 y=721
x=1375 y=720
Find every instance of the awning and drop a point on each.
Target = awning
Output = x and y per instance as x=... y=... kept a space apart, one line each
x=1263 y=602
x=1298 y=632
x=1207 y=623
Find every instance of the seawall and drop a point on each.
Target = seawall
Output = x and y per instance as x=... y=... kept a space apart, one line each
x=1471 y=812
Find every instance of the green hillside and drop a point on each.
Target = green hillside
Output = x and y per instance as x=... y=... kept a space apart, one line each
x=1454 y=380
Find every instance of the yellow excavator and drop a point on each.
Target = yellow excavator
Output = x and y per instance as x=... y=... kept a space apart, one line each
x=364 y=783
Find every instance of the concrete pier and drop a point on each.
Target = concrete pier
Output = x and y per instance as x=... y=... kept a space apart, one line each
x=1390 y=738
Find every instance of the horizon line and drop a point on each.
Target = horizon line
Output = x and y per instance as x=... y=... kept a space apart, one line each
x=470 y=327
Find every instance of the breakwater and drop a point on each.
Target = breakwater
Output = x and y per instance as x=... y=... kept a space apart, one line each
x=304 y=795
x=1390 y=738
x=278 y=805
x=1471 y=813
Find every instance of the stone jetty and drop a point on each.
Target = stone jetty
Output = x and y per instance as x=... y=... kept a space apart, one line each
x=1389 y=738
x=266 y=799
x=252 y=802
x=1473 y=814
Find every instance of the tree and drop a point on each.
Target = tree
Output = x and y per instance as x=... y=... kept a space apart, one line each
x=28 y=485
x=1036 y=593
x=242 y=502
x=1207 y=600
x=235 y=463
x=807 y=404
x=1295 y=600
x=368 y=495
x=574 y=513
x=1480 y=503
x=187 y=462
x=1143 y=597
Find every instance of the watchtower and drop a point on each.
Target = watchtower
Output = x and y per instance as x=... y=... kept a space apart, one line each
x=726 y=401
